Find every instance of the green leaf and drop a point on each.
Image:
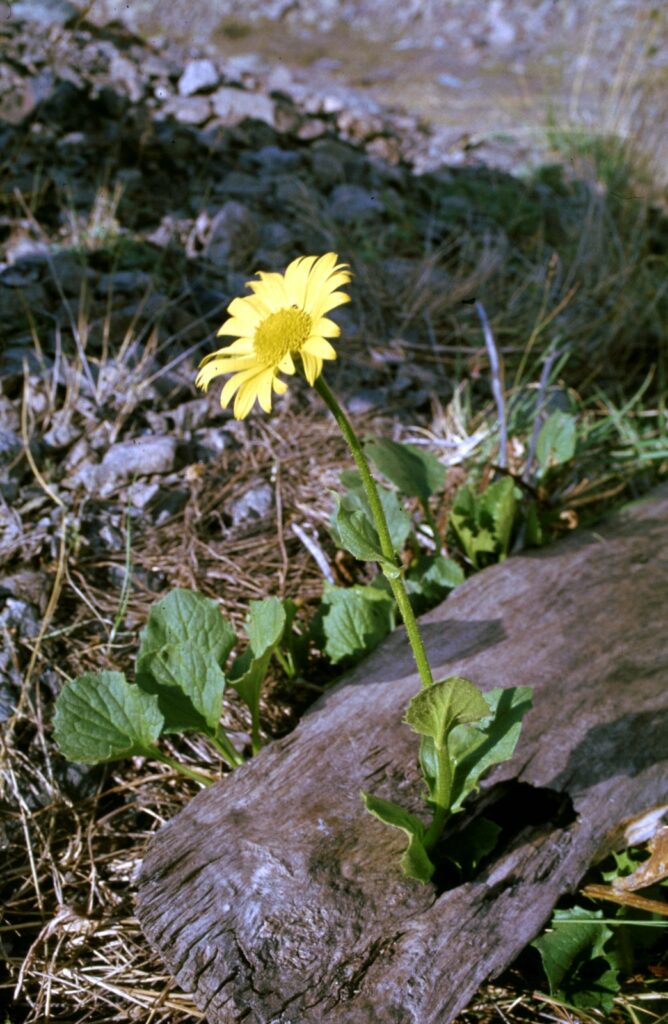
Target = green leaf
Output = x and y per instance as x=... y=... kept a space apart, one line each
x=578 y=968
x=183 y=616
x=430 y=578
x=355 y=620
x=414 y=862
x=416 y=473
x=484 y=522
x=476 y=748
x=436 y=710
x=467 y=848
x=184 y=644
x=184 y=669
x=101 y=717
x=353 y=531
x=556 y=440
x=265 y=624
x=355 y=500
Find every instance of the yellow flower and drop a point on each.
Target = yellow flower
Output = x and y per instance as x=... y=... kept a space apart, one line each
x=284 y=317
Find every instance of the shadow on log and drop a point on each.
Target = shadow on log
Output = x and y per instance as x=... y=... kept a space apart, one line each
x=276 y=899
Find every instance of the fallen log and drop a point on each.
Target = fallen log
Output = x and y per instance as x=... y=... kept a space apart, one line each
x=275 y=898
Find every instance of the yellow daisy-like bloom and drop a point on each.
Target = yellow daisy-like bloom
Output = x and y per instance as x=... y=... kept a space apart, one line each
x=283 y=318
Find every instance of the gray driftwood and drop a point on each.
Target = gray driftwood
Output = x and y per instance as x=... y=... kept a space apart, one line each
x=273 y=897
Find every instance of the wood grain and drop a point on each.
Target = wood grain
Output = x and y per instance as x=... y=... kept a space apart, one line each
x=274 y=898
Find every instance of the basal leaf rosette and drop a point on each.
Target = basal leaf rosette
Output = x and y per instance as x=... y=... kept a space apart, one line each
x=283 y=319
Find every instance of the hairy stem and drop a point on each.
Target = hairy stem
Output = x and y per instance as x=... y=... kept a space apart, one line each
x=371 y=491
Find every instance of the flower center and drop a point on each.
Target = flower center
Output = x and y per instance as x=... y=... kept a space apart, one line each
x=282 y=332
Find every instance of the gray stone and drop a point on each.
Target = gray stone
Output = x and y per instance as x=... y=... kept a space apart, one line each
x=124 y=72
x=10 y=446
x=70 y=273
x=126 y=282
x=188 y=109
x=198 y=76
x=349 y=203
x=255 y=504
x=44 y=12
x=274 y=160
x=275 y=235
x=365 y=400
x=233 y=105
x=233 y=235
x=62 y=432
x=241 y=185
x=142 y=494
x=140 y=457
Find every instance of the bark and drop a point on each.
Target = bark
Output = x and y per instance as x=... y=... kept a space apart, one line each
x=274 y=897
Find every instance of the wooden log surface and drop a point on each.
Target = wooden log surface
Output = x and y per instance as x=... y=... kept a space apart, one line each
x=275 y=898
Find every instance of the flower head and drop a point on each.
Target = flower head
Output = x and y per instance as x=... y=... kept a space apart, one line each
x=283 y=318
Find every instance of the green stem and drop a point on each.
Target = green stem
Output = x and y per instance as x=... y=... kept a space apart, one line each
x=286 y=663
x=441 y=799
x=371 y=491
x=227 y=750
x=177 y=766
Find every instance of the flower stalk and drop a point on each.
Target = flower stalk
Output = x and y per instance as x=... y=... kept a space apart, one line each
x=371 y=491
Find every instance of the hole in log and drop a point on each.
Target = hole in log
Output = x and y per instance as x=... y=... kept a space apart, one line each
x=499 y=817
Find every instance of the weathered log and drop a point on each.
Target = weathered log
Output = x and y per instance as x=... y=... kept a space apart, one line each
x=274 y=897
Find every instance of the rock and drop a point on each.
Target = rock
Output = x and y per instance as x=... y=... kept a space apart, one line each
x=125 y=73
x=233 y=235
x=349 y=203
x=44 y=12
x=198 y=76
x=142 y=494
x=232 y=105
x=141 y=457
x=241 y=185
x=274 y=160
x=70 y=272
x=254 y=505
x=62 y=432
x=125 y=282
x=365 y=400
x=10 y=447
x=274 y=235
x=188 y=109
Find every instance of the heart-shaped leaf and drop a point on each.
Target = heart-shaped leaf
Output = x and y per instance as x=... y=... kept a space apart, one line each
x=417 y=473
x=477 y=748
x=183 y=647
x=355 y=619
x=437 y=709
x=101 y=717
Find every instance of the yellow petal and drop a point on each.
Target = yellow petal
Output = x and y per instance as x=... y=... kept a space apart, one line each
x=325 y=328
x=325 y=277
x=243 y=327
x=286 y=364
x=328 y=303
x=312 y=366
x=270 y=289
x=279 y=386
x=319 y=348
x=216 y=367
x=233 y=384
x=264 y=391
x=246 y=396
x=296 y=278
x=243 y=308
